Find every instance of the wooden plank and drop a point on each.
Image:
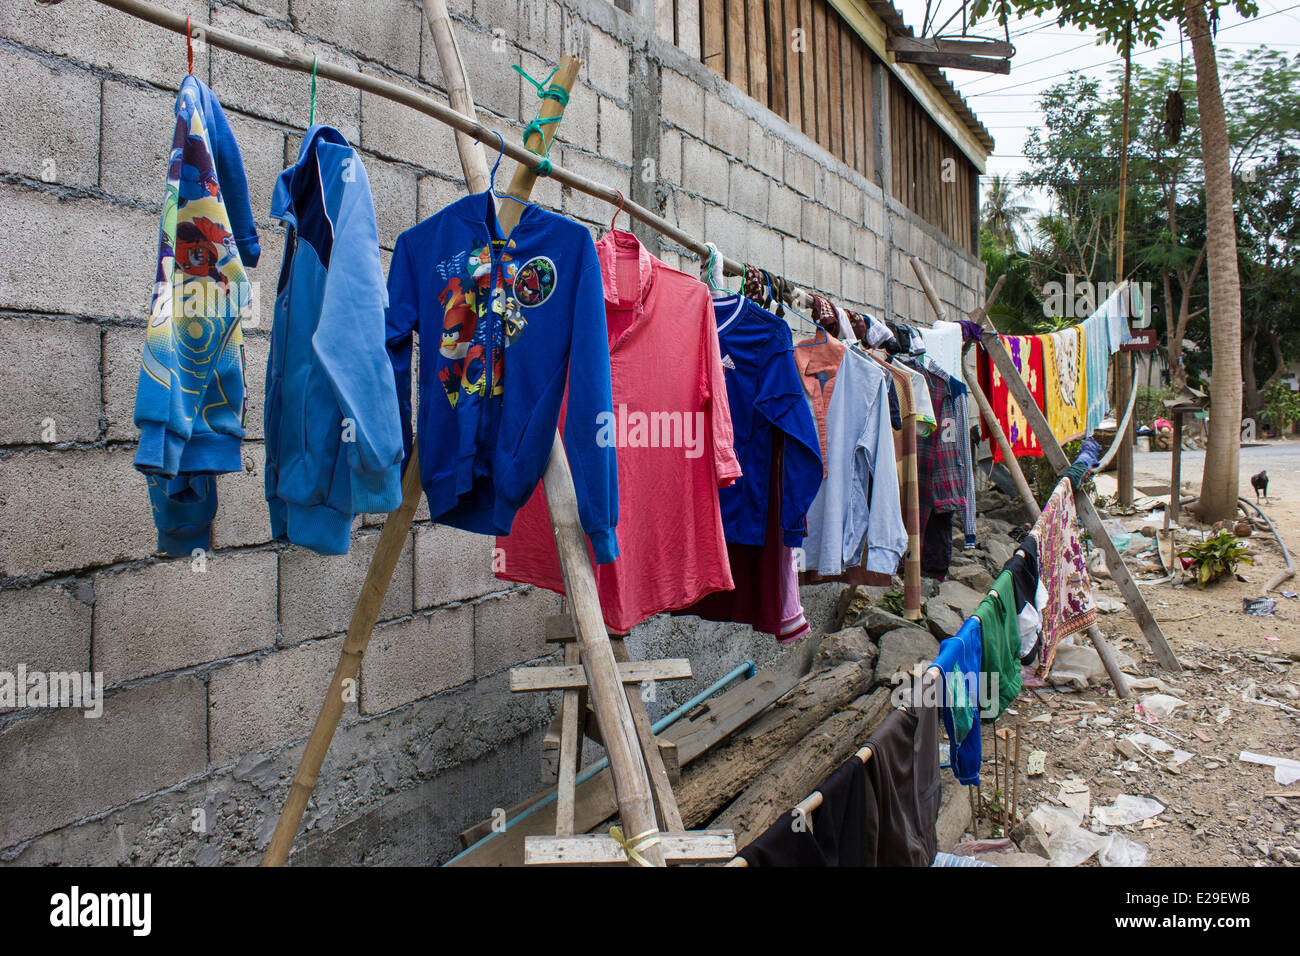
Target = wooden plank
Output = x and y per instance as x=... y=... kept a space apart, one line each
x=737 y=63
x=694 y=735
x=756 y=31
x=822 y=90
x=526 y=679
x=957 y=61
x=698 y=846
x=688 y=26
x=835 y=84
x=670 y=817
x=807 y=69
x=793 y=90
x=713 y=35
x=991 y=48
x=776 y=57
x=861 y=128
x=570 y=753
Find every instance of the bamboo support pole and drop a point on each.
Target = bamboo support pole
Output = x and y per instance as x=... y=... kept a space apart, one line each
x=303 y=63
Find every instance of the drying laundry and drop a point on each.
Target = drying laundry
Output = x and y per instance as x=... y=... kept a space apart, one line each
x=1063 y=570
x=1000 y=636
x=848 y=394
x=1065 y=383
x=1030 y=596
x=661 y=337
x=836 y=833
x=189 y=401
x=333 y=435
x=1026 y=353
x=903 y=789
x=1096 y=334
x=504 y=325
x=960 y=662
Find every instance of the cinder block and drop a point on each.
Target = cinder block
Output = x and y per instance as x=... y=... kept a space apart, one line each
x=800 y=171
x=319 y=592
x=785 y=209
x=393 y=131
x=540 y=27
x=581 y=119
x=167 y=616
x=616 y=134
x=606 y=65
x=436 y=194
x=395 y=190
x=122 y=348
x=46 y=627
x=387 y=31
x=139 y=123
x=704 y=169
x=416 y=658
x=62 y=766
x=96 y=34
x=270 y=92
x=257 y=349
x=816 y=224
x=453 y=565
x=827 y=274
x=106 y=255
x=262 y=148
x=50 y=391
x=841 y=234
x=72 y=509
x=492 y=15
x=681 y=102
x=242 y=515
x=749 y=193
x=874 y=296
x=726 y=127
x=866 y=248
x=49 y=121
x=800 y=261
x=728 y=232
x=266 y=701
x=766 y=150
x=670 y=157
x=853 y=278
x=581 y=206
x=511 y=629
x=851 y=200
x=690 y=214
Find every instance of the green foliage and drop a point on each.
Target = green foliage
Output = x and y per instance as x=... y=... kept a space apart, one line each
x=1216 y=556
x=1144 y=21
x=1006 y=214
x=892 y=601
x=1281 y=405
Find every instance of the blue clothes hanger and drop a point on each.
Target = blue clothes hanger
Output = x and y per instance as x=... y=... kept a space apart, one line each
x=492 y=180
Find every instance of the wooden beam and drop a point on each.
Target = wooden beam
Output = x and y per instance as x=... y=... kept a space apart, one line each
x=993 y=48
x=528 y=679
x=597 y=850
x=956 y=61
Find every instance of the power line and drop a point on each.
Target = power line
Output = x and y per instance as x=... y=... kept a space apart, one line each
x=1117 y=59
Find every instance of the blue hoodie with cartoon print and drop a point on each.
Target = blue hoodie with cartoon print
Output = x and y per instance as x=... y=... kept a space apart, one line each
x=506 y=325
x=189 y=403
x=333 y=442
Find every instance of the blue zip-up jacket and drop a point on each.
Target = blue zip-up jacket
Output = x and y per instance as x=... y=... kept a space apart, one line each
x=504 y=326
x=333 y=442
x=189 y=403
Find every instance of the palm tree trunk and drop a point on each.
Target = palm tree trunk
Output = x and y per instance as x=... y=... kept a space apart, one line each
x=1223 y=450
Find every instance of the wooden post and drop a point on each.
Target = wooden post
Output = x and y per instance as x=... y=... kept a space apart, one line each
x=1176 y=471
x=1124 y=372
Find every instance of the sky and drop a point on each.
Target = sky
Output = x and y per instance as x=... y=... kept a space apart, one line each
x=1046 y=54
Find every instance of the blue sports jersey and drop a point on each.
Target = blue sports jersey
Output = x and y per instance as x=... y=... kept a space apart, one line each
x=765 y=394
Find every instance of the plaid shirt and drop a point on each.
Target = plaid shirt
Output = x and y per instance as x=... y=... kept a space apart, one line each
x=938 y=463
x=961 y=406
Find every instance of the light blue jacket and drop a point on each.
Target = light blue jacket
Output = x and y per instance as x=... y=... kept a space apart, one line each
x=333 y=436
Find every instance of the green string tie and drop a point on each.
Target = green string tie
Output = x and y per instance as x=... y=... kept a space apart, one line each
x=545 y=91
x=311 y=116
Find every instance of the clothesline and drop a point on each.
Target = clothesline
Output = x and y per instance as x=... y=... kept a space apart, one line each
x=301 y=62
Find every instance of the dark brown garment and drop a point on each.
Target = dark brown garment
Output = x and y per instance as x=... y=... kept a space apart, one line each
x=903 y=789
x=837 y=834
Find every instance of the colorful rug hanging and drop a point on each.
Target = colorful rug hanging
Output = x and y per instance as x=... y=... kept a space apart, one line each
x=1026 y=352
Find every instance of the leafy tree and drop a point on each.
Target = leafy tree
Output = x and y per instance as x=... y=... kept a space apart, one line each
x=1006 y=214
x=1142 y=22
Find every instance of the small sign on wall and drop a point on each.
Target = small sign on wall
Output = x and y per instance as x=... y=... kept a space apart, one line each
x=1144 y=340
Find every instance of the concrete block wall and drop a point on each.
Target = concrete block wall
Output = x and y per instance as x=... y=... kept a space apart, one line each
x=214 y=670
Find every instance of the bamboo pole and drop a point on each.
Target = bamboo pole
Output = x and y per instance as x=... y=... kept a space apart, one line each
x=303 y=63
x=1124 y=384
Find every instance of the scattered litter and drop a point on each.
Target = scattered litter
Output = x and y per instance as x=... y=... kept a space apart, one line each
x=1076 y=666
x=1127 y=809
x=971 y=847
x=1157 y=707
x=1041 y=719
x=1121 y=851
x=1072 y=846
x=1285 y=770
x=1152 y=683
x=1156 y=745
x=1259 y=607
x=1106 y=605
x=1037 y=763
x=1251 y=693
x=1291 y=595
x=1074 y=793
x=1223 y=714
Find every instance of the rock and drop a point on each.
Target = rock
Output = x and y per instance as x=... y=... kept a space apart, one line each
x=929 y=588
x=960 y=598
x=944 y=621
x=877 y=621
x=850 y=644
x=1031 y=837
x=1000 y=549
x=901 y=649
x=974 y=577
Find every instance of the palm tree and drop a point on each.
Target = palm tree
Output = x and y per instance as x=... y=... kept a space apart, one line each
x=1006 y=215
x=1223 y=450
